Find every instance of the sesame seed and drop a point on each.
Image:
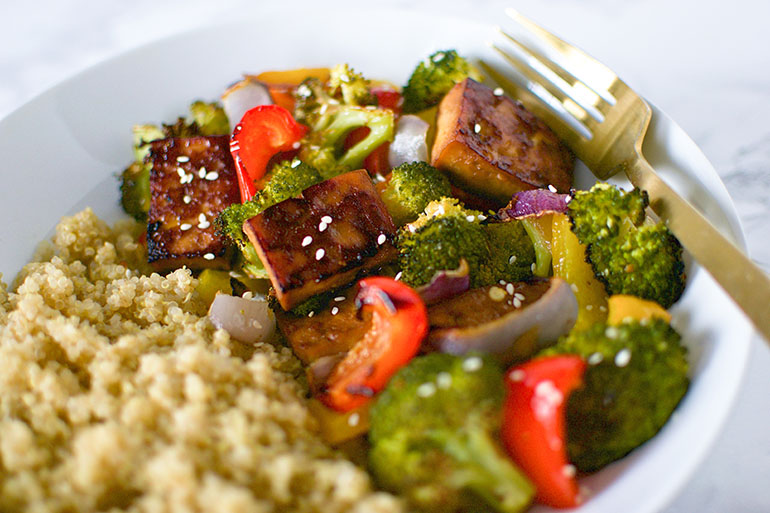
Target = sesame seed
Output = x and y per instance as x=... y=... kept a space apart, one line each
x=323 y=108
x=589 y=308
x=517 y=375
x=476 y=128
x=183 y=158
x=185 y=226
x=209 y=256
x=307 y=241
x=320 y=253
x=201 y=217
x=516 y=302
x=623 y=357
x=532 y=267
x=569 y=470
x=426 y=390
x=311 y=314
x=472 y=364
x=354 y=419
x=470 y=218
x=498 y=91
x=295 y=146
x=213 y=175
x=381 y=239
x=574 y=288
x=339 y=299
x=202 y=172
x=189 y=178
x=595 y=359
x=204 y=225
x=567 y=199
x=496 y=294
x=481 y=217
x=509 y=289
x=444 y=380
x=439 y=57
x=248 y=295
x=295 y=163
x=322 y=227
x=398 y=276
x=187 y=199
x=551 y=188
x=501 y=282
x=335 y=310
x=512 y=259
x=181 y=172
x=602 y=308
x=519 y=296
x=326 y=219
x=611 y=332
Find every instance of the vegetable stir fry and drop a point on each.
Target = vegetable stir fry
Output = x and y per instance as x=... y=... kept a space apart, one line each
x=488 y=333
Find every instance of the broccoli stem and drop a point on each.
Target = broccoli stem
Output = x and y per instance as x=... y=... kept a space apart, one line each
x=485 y=470
x=542 y=251
x=381 y=129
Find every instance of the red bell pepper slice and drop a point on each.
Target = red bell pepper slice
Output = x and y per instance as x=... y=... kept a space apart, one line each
x=388 y=98
x=399 y=324
x=263 y=132
x=534 y=431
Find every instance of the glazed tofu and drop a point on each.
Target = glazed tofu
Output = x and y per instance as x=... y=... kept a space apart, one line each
x=320 y=240
x=192 y=180
x=492 y=146
x=331 y=331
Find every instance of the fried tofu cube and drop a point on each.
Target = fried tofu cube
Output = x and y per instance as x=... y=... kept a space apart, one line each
x=328 y=332
x=191 y=181
x=321 y=239
x=492 y=146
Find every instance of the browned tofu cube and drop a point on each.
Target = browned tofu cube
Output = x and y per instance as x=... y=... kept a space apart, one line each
x=192 y=180
x=334 y=330
x=492 y=146
x=323 y=238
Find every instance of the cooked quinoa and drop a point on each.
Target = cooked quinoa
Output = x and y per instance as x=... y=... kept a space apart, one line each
x=117 y=394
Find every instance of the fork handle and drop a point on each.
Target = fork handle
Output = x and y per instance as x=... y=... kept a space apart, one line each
x=743 y=280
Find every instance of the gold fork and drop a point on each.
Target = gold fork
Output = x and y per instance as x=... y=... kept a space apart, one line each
x=604 y=122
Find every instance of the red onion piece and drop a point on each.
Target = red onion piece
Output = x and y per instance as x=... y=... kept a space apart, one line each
x=446 y=284
x=243 y=96
x=535 y=202
x=409 y=142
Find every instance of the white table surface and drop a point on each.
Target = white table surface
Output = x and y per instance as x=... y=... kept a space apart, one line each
x=706 y=63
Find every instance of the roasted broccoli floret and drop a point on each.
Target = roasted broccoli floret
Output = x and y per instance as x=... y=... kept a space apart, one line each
x=351 y=86
x=442 y=236
x=512 y=251
x=446 y=233
x=332 y=111
x=411 y=187
x=286 y=179
x=135 y=179
x=434 y=77
x=646 y=262
x=603 y=211
x=636 y=376
x=629 y=254
x=433 y=437
x=210 y=118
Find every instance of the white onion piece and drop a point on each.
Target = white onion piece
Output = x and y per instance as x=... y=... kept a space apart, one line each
x=247 y=320
x=243 y=96
x=409 y=142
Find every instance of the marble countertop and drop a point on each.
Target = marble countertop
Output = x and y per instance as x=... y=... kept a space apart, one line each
x=703 y=63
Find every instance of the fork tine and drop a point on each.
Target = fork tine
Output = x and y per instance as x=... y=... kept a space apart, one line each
x=550 y=110
x=590 y=101
x=562 y=92
x=595 y=75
